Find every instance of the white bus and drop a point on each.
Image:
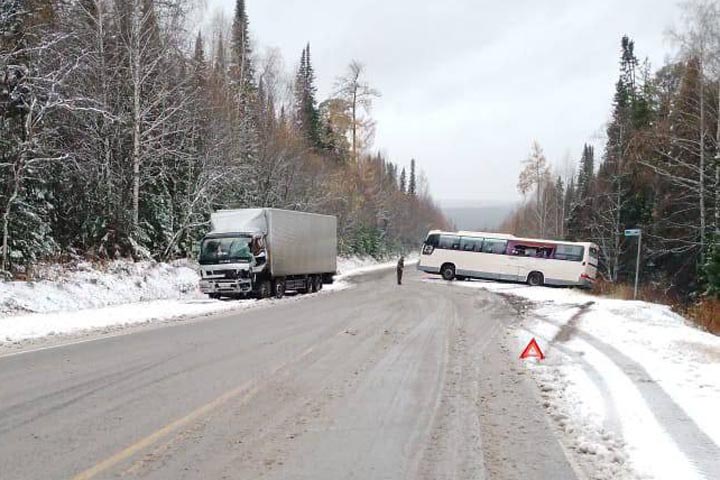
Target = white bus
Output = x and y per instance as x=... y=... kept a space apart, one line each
x=499 y=256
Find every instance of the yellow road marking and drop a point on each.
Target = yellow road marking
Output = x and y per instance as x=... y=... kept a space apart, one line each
x=244 y=391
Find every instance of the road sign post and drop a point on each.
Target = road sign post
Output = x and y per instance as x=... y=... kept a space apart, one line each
x=636 y=232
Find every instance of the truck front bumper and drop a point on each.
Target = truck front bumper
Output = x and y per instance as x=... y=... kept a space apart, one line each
x=240 y=285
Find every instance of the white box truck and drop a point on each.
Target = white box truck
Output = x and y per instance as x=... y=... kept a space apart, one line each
x=267 y=251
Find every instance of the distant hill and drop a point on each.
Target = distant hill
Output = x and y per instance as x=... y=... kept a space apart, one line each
x=474 y=216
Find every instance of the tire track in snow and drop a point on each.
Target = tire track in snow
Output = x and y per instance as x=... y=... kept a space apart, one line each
x=700 y=450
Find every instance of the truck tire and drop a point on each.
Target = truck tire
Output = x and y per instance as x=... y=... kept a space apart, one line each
x=307 y=286
x=312 y=284
x=264 y=289
x=278 y=288
x=318 y=283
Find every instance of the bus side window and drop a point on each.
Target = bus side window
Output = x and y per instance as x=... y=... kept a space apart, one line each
x=449 y=242
x=469 y=244
x=494 y=246
x=573 y=253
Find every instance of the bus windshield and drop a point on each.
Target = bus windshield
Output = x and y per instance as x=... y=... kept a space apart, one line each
x=225 y=250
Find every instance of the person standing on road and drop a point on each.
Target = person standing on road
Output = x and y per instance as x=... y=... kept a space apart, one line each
x=400 y=268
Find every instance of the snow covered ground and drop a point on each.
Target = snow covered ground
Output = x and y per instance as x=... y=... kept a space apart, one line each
x=634 y=386
x=82 y=298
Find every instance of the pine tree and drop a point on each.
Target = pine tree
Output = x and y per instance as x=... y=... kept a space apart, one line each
x=587 y=170
x=412 y=184
x=617 y=205
x=243 y=80
x=307 y=114
x=403 y=181
x=559 y=204
x=243 y=68
x=580 y=205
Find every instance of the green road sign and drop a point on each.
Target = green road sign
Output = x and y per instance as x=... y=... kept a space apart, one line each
x=634 y=232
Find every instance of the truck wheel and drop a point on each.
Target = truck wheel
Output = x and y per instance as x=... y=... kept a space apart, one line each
x=535 y=279
x=318 y=283
x=279 y=288
x=312 y=285
x=264 y=289
x=448 y=271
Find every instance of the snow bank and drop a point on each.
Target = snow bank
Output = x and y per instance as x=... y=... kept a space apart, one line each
x=74 y=299
x=634 y=385
x=84 y=286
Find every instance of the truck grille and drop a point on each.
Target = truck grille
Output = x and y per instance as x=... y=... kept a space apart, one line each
x=231 y=274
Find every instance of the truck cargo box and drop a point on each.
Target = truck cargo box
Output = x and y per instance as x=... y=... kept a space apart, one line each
x=299 y=243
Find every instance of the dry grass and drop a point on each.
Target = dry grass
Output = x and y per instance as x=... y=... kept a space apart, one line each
x=705 y=313
x=624 y=291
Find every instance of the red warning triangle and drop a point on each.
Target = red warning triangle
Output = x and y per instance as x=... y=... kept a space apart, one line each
x=532 y=350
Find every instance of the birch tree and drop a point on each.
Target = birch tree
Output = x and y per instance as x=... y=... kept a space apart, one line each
x=534 y=178
x=358 y=96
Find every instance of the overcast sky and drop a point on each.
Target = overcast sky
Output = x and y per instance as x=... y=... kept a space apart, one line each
x=468 y=84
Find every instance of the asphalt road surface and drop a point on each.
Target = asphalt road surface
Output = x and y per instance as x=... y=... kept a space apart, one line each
x=375 y=382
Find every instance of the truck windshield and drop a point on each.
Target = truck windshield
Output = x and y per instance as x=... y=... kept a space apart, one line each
x=225 y=250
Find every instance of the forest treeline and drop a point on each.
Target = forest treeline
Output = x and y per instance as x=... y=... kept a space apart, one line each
x=659 y=169
x=122 y=128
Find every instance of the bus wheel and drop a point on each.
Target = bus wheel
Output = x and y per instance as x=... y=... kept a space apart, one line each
x=448 y=271
x=535 y=279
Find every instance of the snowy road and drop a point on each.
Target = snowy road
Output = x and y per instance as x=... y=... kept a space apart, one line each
x=376 y=381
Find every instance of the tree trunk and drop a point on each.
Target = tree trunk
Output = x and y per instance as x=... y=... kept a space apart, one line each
x=617 y=241
x=354 y=124
x=107 y=167
x=136 y=63
x=702 y=172
x=717 y=166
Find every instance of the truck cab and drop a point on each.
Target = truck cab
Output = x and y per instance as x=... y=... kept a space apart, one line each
x=229 y=261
